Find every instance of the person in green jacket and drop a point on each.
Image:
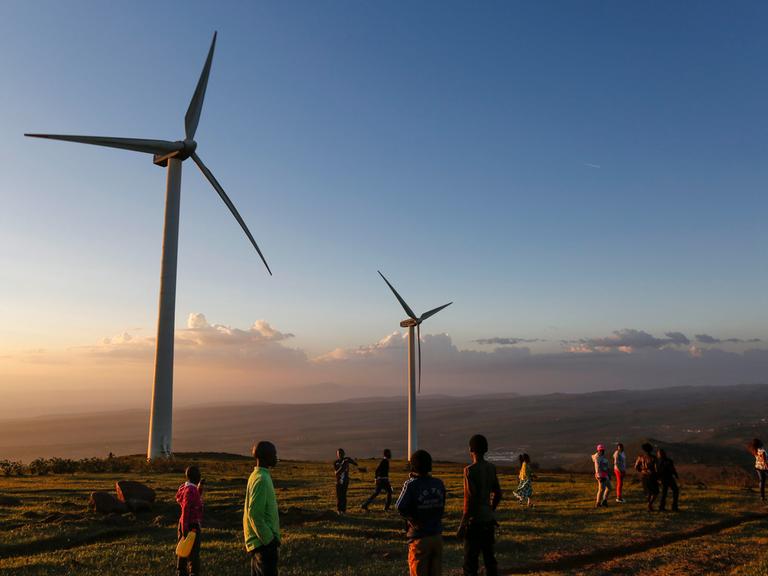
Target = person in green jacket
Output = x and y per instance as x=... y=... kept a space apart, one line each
x=261 y=525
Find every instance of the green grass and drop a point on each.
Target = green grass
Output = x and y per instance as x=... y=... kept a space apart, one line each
x=51 y=532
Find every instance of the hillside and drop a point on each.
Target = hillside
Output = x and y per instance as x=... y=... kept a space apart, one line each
x=705 y=424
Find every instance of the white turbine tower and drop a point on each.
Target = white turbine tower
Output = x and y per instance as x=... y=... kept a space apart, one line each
x=413 y=323
x=170 y=154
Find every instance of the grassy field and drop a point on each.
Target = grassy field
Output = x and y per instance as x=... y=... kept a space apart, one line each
x=45 y=527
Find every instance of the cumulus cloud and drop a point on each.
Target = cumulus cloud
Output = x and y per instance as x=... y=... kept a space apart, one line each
x=221 y=363
x=707 y=339
x=628 y=340
x=504 y=341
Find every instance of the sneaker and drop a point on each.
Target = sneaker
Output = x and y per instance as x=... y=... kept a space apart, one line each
x=620 y=500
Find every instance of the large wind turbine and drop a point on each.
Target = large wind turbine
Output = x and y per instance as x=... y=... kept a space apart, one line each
x=413 y=323
x=170 y=154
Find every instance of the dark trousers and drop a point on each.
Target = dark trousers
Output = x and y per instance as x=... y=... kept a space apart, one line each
x=665 y=487
x=189 y=566
x=264 y=560
x=480 y=538
x=382 y=485
x=761 y=475
x=341 y=496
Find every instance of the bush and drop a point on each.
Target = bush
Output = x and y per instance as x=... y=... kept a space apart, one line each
x=11 y=468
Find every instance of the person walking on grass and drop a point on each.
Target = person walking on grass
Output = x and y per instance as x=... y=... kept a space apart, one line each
x=761 y=464
x=422 y=504
x=190 y=499
x=261 y=524
x=482 y=494
x=647 y=466
x=619 y=470
x=524 y=490
x=382 y=482
x=602 y=475
x=668 y=476
x=341 y=471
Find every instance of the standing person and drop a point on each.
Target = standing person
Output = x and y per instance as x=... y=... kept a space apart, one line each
x=668 y=476
x=524 y=490
x=619 y=470
x=341 y=470
x=190 y=499
x=382 y=482
x=482 y=495
x=761 y=463
x=646 y=465
x=602 y=475
x=261 y=524
x=422 y=504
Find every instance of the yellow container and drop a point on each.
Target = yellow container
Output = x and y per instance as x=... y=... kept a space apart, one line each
x=184 y=547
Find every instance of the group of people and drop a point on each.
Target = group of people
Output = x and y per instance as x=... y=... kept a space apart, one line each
x=655 y=468
x=422 y=502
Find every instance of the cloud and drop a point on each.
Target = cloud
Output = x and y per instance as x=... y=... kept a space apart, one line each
x=590 y=165
x=707 y=339
x=628 y=340
x=502 y=341
x=217 y=363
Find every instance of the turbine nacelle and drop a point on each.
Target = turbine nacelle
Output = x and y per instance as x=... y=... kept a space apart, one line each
x=409 y=323
x=186 y=148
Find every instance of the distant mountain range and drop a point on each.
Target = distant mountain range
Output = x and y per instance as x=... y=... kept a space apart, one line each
x=703 y=424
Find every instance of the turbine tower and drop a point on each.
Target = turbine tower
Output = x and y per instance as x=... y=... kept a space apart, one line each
x=413 y=323
x=168 y=154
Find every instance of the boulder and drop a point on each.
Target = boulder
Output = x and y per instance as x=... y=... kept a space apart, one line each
x=136 y=505
x=131 y=490
x=105 y=503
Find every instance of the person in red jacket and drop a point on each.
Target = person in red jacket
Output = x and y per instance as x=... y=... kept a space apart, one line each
x=190 y=499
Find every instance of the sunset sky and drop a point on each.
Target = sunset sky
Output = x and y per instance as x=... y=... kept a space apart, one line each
x=585 y=180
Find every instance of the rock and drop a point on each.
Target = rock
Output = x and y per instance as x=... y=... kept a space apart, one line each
x=105 y=503
x=131 y=490
x=136 y=505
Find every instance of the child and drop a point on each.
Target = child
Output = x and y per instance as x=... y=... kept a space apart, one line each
x=761 y=464
x=525 y=487
x=669 y=478
x=602 y=467
x=382 y=482
x=422 y=504
x=620 y=470
x=189 y=497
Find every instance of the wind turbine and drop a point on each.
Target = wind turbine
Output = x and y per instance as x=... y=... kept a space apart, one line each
x=171 y=155
x=413 y=323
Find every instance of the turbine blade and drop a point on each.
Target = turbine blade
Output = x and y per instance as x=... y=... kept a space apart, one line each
x=135 y=144
x=418 y=337
x=228 y=202
x=192 y=117
x=433 y=311
x=399 y=299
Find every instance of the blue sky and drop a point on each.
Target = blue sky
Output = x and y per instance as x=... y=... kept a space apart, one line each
x=560 y=170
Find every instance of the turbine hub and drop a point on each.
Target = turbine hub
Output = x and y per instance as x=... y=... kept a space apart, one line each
x=408 y=322
x=189 y=147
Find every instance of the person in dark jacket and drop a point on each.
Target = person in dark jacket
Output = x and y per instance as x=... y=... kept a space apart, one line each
x=482 y=494
x=668 y=477
x=382 y=482
x=190 y=498
x=422 y=504
x=646 y=465
x=341 y=471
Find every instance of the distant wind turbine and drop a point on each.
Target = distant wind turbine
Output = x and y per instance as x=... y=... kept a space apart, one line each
x=170 y=154
x=413 y=323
